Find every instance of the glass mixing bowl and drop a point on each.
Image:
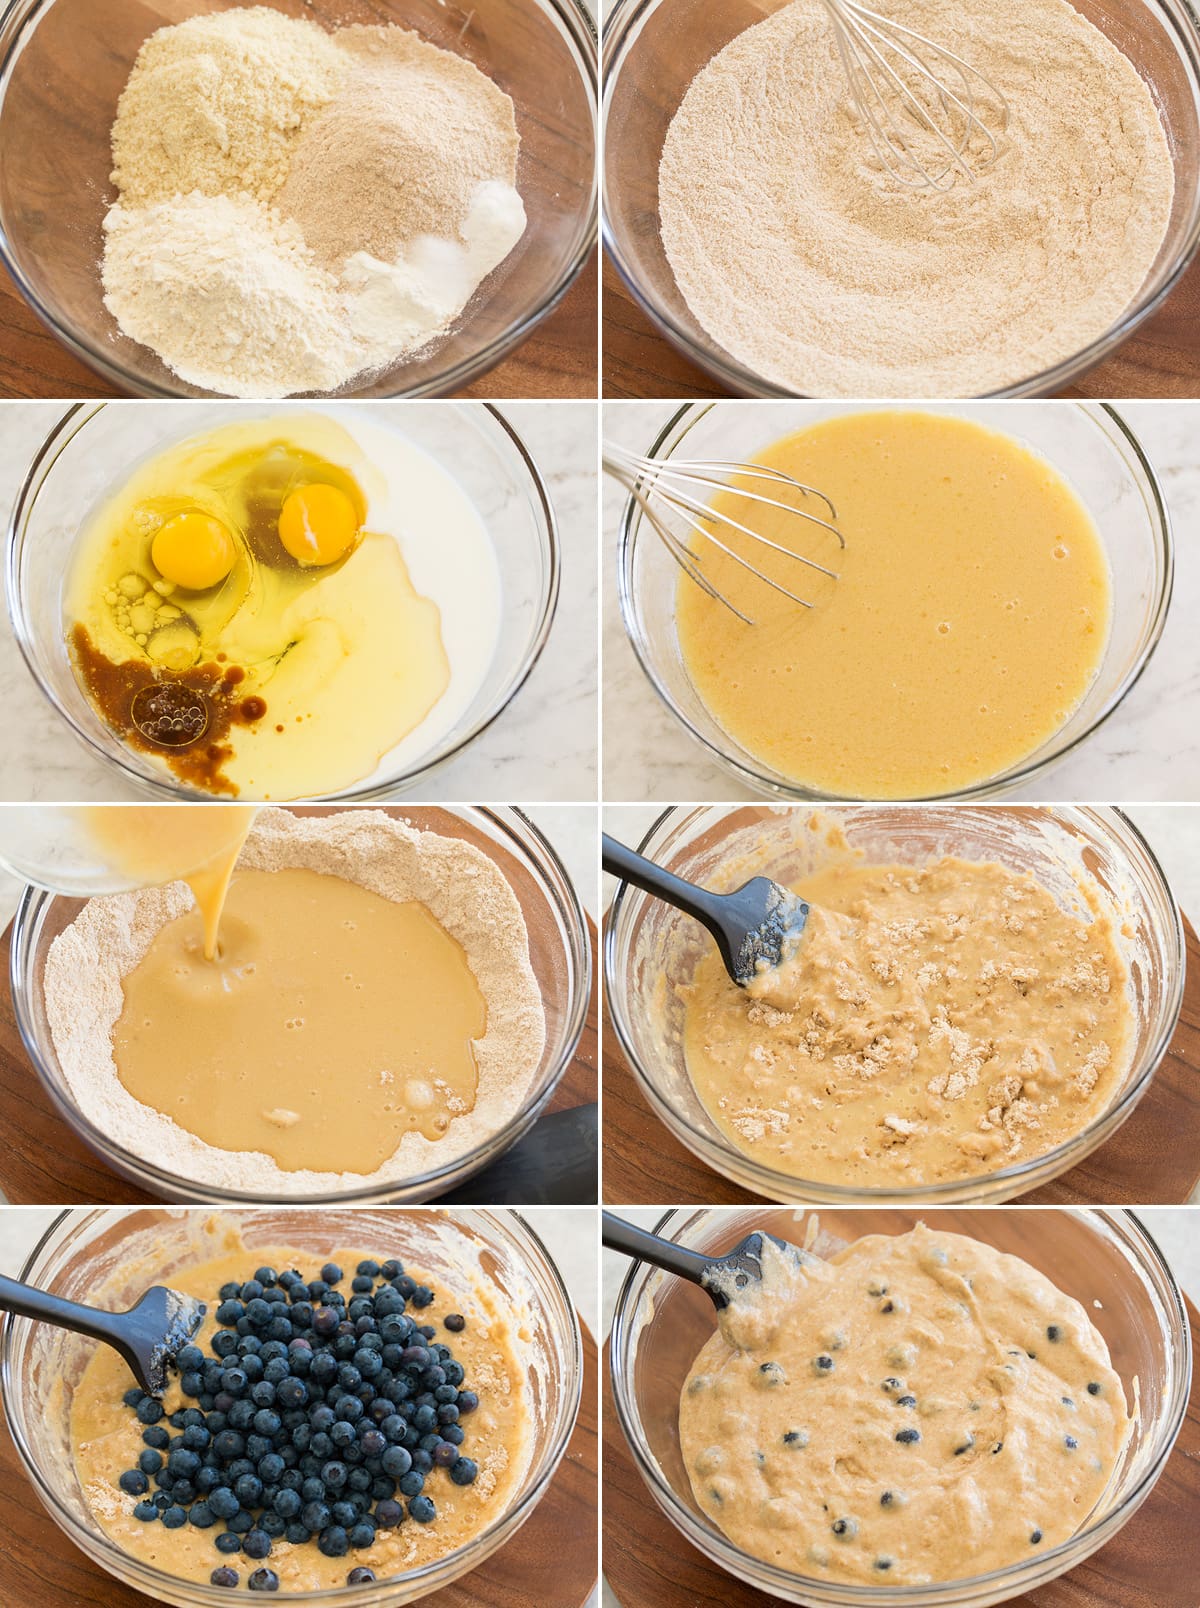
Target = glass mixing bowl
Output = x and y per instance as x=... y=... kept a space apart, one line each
x=86 y=1249
x=1106 y=1260
x=63 y=64
x=96 y=444
x=650 y=951
x=1090 y=445
x=654 y=48
x=559 y=953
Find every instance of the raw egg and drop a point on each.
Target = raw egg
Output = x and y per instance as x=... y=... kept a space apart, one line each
x=194 y=551
x=317 y=523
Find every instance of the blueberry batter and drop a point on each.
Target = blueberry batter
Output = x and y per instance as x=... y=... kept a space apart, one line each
x=921 y=1408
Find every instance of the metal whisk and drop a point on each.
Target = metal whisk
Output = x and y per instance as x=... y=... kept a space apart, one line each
x=662 y=485
x=930 y=115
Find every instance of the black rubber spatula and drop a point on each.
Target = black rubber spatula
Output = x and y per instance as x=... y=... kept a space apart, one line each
x=734 y=1269
x=752 y=925
x=148 y=1336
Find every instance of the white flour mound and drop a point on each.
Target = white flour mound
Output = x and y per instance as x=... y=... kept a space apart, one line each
x=460 y=886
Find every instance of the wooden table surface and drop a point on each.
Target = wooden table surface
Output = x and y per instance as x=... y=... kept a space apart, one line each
x=1161 y=360
x=557 y=361
x=1153 y=1562
x=1154 y=1158
x=550 y=1561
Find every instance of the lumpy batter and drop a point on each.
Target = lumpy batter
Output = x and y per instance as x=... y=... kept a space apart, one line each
x=317 y=979
x=970 y=615
x=933 y=1023
x=107 y=1437
x=921 y=1408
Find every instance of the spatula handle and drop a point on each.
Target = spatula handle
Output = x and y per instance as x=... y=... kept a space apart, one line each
x=652 y=879
x=621 y=1236
x=28 y=1302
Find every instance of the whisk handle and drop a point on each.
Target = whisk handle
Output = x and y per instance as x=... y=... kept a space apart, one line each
x=622 y=862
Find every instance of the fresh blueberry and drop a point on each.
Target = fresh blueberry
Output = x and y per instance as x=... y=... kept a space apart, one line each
x=174 y=1518
x=228 y=1542
x=360 y=1577
x=422 y=1510
x=256 y=1544
x=224 y=1576
x=464 y=1471
x=146 y=1512
x=134 y=1483
x=455 y=1322
x=333 y=1541
x=201 y=1515
x=389 y=1514
x=263 y=1580
x=150 y=1411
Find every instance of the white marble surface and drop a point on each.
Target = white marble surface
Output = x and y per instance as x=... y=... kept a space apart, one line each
x=542 y=747
x=1149 y=749
x=570 y=829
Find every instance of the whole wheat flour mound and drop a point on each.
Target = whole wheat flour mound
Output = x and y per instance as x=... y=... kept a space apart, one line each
x=380 y=148
x=214 y=104
x=458 y=884
x=808 y=264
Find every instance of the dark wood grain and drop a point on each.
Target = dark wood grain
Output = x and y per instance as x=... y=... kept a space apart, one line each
x=551 y=1560
x=1154 y=1159
x=43 y=1162
x=1153 y=1562
x=1161 y=360
x=557 y=361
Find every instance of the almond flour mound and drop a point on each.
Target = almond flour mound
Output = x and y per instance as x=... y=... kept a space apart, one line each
x=460 y=886
x=215 y=104
x=808 y=264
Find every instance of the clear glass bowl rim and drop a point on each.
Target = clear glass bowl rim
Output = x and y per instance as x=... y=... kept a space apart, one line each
x=580 y=29
x=689 y=414
x=948 y=1593
x=623 y=22
x=531 y=845
x=774 y=1185
x=333 y=1597
x=79 y=414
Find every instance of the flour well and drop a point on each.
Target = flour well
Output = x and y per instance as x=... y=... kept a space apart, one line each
x=810 y=266
x=458 y=884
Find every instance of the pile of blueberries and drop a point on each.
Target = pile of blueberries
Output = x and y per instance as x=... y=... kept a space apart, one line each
x=315 y=1417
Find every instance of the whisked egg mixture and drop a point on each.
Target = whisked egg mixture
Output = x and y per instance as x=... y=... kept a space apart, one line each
x=274 y=607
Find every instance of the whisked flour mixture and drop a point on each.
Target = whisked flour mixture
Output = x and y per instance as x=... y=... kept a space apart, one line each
x=297 y=207
x=809 y=264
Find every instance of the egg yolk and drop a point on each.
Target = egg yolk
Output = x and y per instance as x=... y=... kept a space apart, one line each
x=317 y=524
x=194 y=551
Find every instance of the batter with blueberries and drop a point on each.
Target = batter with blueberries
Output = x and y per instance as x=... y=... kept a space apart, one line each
x=919 y=1408
x=335 y=1422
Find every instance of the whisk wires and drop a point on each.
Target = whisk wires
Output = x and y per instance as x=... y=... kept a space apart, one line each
x=660 y=486
x=926 y=131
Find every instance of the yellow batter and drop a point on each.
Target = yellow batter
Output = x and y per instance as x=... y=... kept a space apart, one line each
x=922 y=1408
x=934 y=1023
x=332 y=1022
x=154 y=844
x=971 y=614
x=107 y=1437
x=227 y=613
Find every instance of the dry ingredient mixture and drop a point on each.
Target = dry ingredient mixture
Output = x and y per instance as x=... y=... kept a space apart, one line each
x=297 y=208
x=94 y=981
x=335 y=1421
x=933 y=1023
x=921 y=1408
x=808 y=264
